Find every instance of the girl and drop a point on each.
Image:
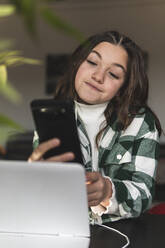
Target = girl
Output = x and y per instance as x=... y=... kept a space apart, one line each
x=118 y=131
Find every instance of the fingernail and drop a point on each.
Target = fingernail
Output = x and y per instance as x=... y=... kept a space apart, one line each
x=56 y=141
x=71 y=155
x=88 y=182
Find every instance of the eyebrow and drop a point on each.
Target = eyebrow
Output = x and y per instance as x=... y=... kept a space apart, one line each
x=116 y=64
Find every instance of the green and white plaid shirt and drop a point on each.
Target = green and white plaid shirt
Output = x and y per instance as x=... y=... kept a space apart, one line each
x=129 y=158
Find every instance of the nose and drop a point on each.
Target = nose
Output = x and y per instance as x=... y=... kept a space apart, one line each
x=98 y=76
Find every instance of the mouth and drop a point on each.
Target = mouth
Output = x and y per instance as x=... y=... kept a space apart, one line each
x=93 y=87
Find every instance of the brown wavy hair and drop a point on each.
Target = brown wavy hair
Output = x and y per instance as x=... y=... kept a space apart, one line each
x=131 y=97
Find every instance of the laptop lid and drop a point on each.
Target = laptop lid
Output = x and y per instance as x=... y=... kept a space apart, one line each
x=43 y=198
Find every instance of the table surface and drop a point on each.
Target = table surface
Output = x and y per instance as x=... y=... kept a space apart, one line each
x=146 y=231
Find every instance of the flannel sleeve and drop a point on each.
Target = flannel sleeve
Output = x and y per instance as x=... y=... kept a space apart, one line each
x=135 y=187
x=131 y=165
x=134 y=181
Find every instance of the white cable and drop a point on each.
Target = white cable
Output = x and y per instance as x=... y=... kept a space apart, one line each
x=115 y=230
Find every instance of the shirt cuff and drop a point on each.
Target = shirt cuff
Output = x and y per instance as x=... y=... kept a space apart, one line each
x=108 y=206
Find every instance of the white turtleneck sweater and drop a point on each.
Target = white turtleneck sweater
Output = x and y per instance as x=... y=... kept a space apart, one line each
x=92 y=117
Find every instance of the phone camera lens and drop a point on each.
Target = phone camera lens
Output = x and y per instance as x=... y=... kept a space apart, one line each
x=43 y=110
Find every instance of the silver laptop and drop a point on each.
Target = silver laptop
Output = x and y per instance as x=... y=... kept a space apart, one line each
x=43 y=205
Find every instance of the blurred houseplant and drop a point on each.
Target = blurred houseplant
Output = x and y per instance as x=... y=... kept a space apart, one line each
x=8 y=58
x=28 y=10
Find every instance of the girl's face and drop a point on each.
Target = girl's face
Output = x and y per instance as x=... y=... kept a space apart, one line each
x=101 y=75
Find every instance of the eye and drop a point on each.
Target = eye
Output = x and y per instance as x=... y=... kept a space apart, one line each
x=113 y=75
x=91 y=62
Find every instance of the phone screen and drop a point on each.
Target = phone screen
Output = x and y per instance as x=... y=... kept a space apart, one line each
x=56 y=119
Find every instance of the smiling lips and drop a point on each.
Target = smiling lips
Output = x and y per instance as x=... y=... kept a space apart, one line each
x=93 y=87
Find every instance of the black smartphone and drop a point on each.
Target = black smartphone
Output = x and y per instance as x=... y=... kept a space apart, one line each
x=56 y=119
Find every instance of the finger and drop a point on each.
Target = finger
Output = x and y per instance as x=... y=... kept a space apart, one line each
x=92 y=187
x=94 y=199
x=68 y=156
x=93 y=203
x=93 y=196
x=97 y=185
x=98 y=204
x=88 y=182
x=42 y=148
x=92 y=176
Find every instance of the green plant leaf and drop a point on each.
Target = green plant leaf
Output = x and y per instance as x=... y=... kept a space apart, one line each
x=16 y=61
x=56 y=22
x=13 y=58
x=10 y=93
x=7 y=122
x=7 y=10
x=3 y=74
x=7 y=54
x=27 y=9
x=8 y=128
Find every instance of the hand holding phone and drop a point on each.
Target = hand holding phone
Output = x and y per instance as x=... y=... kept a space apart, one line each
x=39 y=152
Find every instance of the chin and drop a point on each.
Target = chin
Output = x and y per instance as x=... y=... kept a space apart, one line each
x=90 y=102
x=84 y=98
